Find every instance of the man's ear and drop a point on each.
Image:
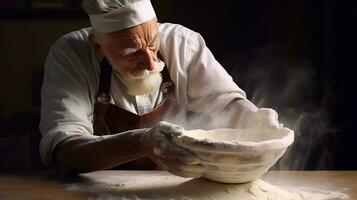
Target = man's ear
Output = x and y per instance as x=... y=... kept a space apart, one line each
x=96 y=46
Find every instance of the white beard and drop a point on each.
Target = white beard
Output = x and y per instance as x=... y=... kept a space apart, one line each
x=142 y=81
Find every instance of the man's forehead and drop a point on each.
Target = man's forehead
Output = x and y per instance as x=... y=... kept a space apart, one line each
x=146 y=30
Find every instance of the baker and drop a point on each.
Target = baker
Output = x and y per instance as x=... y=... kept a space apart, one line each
x=111 y=93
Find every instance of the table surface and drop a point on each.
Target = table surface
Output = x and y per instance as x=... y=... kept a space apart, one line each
x=109 y=184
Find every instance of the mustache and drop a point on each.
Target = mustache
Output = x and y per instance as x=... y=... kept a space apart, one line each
x=144 y=73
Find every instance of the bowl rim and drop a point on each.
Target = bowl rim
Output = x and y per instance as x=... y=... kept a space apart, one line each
x=205 y=145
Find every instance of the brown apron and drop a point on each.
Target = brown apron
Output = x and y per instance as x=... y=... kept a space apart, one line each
x=111 y=119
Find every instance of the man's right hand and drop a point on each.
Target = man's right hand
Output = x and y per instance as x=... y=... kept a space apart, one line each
x=158 y=146
x=88 y=153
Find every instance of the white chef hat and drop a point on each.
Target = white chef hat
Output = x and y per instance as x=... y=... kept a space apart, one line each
x=129 y=15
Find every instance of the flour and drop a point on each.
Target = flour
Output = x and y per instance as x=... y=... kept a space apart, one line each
x=236 y=155
x=151 y=186
x=320 y=194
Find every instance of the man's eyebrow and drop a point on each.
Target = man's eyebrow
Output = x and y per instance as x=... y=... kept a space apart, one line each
x=128 y=51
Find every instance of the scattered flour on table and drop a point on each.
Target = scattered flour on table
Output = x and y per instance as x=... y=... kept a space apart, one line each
x=200 y=189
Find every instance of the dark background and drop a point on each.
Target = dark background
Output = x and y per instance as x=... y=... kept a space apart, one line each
x=296 y=56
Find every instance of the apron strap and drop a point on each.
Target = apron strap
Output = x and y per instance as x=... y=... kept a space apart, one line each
x=104 y=81
x=167 y=86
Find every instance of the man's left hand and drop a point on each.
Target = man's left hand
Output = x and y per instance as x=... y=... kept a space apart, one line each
x=263 y=118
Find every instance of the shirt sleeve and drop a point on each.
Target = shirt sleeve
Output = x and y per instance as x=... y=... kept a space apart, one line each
x=66 y=107
x=209 y=87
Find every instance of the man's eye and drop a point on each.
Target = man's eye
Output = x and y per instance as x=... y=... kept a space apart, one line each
x=152 y=47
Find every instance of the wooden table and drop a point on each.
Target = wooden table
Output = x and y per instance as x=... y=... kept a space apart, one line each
x=151 y=184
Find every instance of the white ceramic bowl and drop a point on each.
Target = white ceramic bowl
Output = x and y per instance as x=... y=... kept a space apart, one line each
x=236 y=155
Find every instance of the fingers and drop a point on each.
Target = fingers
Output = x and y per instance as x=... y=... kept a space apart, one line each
x=272 y=117
x=169 y=129
x=168 y=150
x=266 y=117
x=179 y=169
x=264 y=113
x=272 y=123
x=168 y=155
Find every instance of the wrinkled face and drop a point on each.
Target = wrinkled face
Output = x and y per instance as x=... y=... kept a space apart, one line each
x=133 y=55
x=131 y=49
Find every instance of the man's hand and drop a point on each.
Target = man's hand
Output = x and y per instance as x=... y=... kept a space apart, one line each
x=166 y=154
x=263 y=118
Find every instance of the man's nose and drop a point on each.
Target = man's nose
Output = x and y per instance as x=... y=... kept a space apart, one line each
x=148 y=60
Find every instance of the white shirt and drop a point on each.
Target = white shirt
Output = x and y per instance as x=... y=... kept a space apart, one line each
x=71 y=83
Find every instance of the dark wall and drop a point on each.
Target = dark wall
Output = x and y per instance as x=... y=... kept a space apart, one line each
x=341 y=72
x=296 y=56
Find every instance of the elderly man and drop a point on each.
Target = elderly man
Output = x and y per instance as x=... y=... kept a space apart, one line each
x=109 y=89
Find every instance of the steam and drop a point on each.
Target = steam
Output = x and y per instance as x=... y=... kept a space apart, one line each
x=302 y=102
